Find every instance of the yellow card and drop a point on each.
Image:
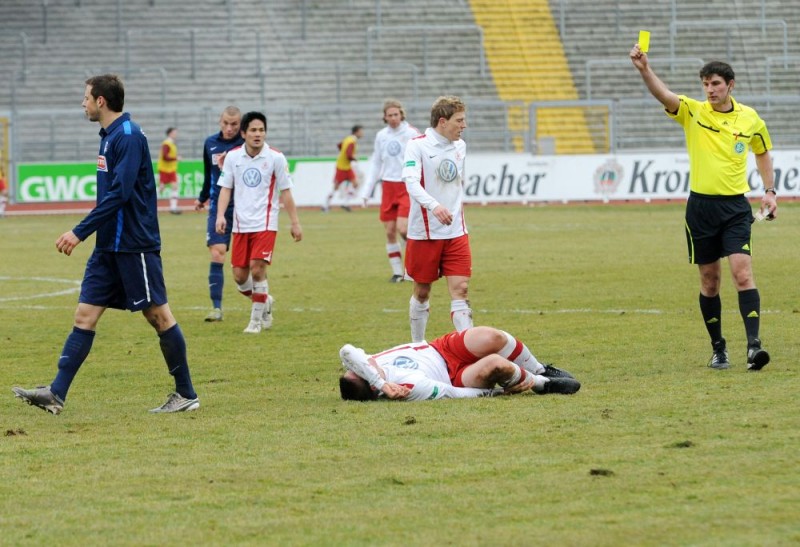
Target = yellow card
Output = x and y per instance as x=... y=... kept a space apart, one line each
x=644 y=40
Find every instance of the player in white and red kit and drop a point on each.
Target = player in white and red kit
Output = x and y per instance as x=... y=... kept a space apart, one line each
x=258 y=177
x=438 y=244
x=470 y=363
x=386 y=167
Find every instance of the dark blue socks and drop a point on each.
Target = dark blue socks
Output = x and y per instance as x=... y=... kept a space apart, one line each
x=216 y=279
x=76 y=348
x=173 y=346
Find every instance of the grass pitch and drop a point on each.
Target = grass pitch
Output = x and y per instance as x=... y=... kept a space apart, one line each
x=655 y=449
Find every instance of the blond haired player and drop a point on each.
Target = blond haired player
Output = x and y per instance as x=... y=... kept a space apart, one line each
x=386 y=167
x=258 y=177
x=438 y=244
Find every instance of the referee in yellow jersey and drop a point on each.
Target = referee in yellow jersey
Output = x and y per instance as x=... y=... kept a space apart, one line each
x=719 y=131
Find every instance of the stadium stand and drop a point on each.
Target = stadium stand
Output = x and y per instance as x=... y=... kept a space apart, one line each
x=318 y=66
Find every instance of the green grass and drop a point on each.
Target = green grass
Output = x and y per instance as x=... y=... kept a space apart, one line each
x=655 y=449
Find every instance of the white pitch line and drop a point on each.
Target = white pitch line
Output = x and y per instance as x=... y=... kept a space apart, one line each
x=72 y=290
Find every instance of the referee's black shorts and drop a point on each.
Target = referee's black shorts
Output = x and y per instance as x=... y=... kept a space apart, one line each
x=717 y=226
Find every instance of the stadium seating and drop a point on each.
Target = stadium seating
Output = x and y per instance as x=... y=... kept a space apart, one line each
x=319 y=66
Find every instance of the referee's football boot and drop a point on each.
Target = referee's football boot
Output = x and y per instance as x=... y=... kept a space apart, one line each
x=719 y=359
x=41 y=397
x=552 y=372
x=563 y=385
x=757 y=357
x=177 y=403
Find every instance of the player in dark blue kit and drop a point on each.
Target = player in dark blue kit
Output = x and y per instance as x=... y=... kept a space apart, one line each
x=124 y=271
x=214 y=151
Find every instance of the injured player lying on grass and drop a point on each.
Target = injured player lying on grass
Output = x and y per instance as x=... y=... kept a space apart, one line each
x=476 y=362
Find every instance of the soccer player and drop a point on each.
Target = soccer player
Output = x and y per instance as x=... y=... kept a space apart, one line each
x=258 y=177
x=3 y=193
x=470 y=363
x=438 y=244
x=719 y=131
x=168 y=170
x=386 y=167
x=346 y=162
x=124 y=270
x=214 y=151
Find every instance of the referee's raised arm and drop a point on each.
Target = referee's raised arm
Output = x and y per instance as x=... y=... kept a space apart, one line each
x=657 y=88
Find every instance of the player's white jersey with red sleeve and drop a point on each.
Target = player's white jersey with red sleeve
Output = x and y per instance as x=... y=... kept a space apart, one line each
x=387 y=159
x=423 y=370
x=257 y=183
x=433 y=171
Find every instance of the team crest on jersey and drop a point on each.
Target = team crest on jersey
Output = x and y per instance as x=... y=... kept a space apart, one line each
x=739 y=147
x=447 y=171
x=251 y=177
x=394 y=148
x=101 y=164
x=405 y=362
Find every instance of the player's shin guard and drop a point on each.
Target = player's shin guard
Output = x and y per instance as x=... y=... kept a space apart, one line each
x=395 y=258
x=259 y=300
x=246 y=288
x=418 y=313
x=173 y=347
x=461 y=314
x=519 y=354
x=76 y=348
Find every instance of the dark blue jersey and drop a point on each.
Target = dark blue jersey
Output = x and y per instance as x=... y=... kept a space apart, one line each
x=125 y=217
x=215 y=145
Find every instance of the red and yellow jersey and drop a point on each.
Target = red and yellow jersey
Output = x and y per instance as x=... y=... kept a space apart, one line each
x=347 y=152
x=168 y=158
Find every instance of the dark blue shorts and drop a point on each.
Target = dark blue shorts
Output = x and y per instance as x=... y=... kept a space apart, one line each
x=124 y=281
x=212 y=237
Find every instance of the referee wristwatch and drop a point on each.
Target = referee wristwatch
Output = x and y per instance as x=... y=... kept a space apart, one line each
x=774 y=192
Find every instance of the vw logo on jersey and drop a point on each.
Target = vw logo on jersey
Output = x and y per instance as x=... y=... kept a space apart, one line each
x=394 y=148
x=405 y=362
x=251 y=177
x=447 y=171
x=739 y=148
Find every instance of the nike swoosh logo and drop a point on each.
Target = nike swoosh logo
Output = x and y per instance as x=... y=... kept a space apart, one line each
x=63 y=357
x=212 y=284
x=431 y=157
x=137 y=302
x=213 y=148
